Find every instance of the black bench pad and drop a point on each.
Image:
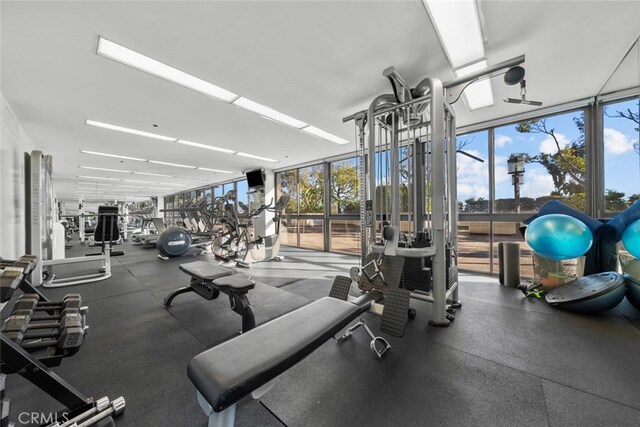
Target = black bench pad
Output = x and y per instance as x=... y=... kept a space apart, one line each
x=236 y=283
x=235 y=368
x=205 y=270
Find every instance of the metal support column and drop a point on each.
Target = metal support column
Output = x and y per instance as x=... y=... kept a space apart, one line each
x=394 y=158
x=439 y=201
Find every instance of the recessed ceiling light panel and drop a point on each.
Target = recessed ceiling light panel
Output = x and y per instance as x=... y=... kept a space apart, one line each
x=252 y=156
x=312 y=130
x=129 y=130
x=269 y=113
x=126 y=56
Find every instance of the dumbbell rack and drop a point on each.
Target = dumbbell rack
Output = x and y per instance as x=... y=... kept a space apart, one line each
x=37 y=335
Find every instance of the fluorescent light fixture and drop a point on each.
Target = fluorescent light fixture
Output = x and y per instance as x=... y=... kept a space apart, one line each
x=312 y=130
x=95 y=153
x=251 y=156
x=98 y=177
x=269 y=113
x=128 y=130
x=135 y=180
x=458 y=25
x=91 y=183
x=206 y=147
x=123 y=190
x=478 y=94
x=480 y=65
x=172 y=184
x=153 y=174
x=177 y=165
x=121 y=54
x=213 y=170
x=104 y=169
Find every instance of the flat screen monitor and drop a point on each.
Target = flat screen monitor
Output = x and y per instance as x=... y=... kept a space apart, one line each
x=255 y=179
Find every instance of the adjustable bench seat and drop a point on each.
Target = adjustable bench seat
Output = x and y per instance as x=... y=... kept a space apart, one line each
x=248 y=363
x=205 y=271
x=208 y=280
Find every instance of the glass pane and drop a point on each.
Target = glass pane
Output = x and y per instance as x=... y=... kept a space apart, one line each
x=344 y=235
x=510 y=232
x=621 y=154
x=311 y=233
x=217 y=191
x=243 y=199
x=193 y=197
x=311 y=190
x=207 y=195
x=473 y=246
x=289 y=232
x=546 y=156
x=405 y=168
x=383 y=185
x=472 y=173
x=345 y=187
x=286 y=183
x=199 y=194
x=227 y=187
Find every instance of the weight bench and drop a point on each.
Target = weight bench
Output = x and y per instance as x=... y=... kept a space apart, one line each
x=249 y=363
x=208 y=280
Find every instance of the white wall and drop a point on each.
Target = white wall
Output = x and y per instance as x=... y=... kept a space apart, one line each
x=14 y=143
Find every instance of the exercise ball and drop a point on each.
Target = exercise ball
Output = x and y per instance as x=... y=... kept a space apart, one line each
x=631 y=239
x=558 y=237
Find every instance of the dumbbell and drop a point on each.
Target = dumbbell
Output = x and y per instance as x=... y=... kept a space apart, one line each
x=53 y=306
x=67 y=337
x=30 y=304
x=15 y=326
x=25 y=305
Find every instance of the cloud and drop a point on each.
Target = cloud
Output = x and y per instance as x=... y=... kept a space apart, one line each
x=466 y=191
x=615 y=142
x=502 y=140
x=537 y=183
x=502 y=173
x=473 y=176
x=548 y=145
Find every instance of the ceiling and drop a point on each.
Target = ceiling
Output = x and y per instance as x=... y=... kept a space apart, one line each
x=317 y=61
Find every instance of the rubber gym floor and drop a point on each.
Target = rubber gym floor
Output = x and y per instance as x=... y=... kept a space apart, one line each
x=505 y=361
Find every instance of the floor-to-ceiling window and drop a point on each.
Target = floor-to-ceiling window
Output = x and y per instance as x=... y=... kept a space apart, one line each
x=344 y=194
x=311 y=207
x=287 y=183
x=552 y=152
x=243 y=198
x=621 y=129
x=303 y=222
x=472 y=159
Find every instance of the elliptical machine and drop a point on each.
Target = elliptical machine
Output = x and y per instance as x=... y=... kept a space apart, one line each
x=237 y=241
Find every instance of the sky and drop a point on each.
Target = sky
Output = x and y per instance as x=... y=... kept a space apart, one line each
x=622 y=163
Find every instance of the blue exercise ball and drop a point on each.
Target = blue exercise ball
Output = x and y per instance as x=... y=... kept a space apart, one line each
x=558 y=237
x=631 y=239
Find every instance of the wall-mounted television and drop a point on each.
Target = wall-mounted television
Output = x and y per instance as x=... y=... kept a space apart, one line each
x=255 y=179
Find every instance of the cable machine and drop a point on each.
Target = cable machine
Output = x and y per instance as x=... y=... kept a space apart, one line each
x=407 y=150
x=46 y=236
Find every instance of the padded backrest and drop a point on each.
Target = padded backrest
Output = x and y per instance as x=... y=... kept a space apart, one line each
x=107 y=227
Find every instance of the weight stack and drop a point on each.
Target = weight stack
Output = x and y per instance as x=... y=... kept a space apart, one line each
x=417 y=274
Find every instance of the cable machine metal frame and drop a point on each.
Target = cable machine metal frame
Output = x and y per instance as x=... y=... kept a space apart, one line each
x=434 y=103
